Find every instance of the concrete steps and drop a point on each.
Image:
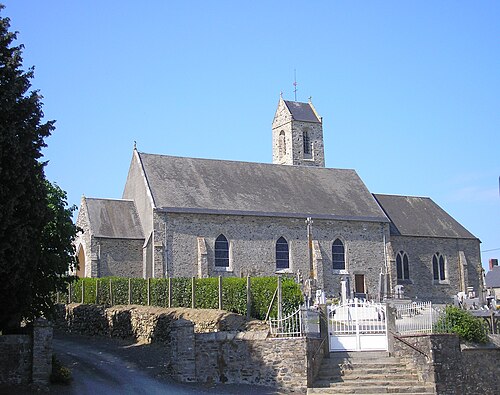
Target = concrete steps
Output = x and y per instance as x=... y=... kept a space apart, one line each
x=367 y=373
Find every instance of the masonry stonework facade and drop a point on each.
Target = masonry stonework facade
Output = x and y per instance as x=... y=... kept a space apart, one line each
x=462 y=269
x=109 y=250
x=297 y=135
x=175 y=209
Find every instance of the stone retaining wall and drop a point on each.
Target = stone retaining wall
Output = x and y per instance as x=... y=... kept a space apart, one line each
x=203 y=345
x=251 y=358
x=454 y=369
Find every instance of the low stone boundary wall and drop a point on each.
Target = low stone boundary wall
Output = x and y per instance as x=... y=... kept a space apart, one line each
x=481 y=371
x=251 y=358
x=15 y=359
x=198 y=348
x=27 y=359
x=454 y=369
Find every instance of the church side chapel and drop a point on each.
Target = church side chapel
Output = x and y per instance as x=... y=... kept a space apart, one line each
x=184 y=217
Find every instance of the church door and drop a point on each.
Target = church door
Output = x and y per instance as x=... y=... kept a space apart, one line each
x=359 y=286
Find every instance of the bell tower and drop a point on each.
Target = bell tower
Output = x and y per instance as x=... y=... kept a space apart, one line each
x=297 y=135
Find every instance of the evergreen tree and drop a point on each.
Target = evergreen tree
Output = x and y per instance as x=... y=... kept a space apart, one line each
x=27 y=270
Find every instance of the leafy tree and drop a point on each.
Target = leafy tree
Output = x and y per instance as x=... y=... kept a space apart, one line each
x=30 y=208
x=57 y=251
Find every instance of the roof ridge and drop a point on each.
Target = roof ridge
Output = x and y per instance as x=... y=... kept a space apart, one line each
x=111 y=199
x=402 y=196
x=247 y=162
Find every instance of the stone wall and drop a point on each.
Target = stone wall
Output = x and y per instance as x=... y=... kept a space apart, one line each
x=317 y=350
x=27 y=359
x=107 y=256
x=15 y=359
x=292 y=151
x=145 y=324
x=136 y=190
x=251 y=358
x=84 y=241
x=42 y=352
x=420 y=251
x=453 y=369
x=481 y=371
x=253 y=244
x=203 y=345
x=119 y=257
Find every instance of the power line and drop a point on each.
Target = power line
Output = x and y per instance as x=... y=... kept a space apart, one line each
x=494 y=249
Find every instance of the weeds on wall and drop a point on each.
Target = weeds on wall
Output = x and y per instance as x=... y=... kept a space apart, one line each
x=230 y=294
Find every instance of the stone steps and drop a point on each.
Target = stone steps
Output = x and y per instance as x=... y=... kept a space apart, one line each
x=411 y=391
x=367 y=373
x=363 y=382
x=351 y=376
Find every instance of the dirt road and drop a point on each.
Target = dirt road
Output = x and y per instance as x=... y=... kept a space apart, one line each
x=109 y=366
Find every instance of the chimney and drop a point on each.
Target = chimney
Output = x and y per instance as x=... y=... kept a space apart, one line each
x=493 y=263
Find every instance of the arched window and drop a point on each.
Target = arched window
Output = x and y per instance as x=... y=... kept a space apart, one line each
x=221 y=251
x=439 y=267
x=402 y=266
x=282 y=144
x=338 y=255
x=307 y=143
x=282 y=254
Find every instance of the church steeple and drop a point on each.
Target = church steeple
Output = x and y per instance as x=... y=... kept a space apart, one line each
x=297 y=135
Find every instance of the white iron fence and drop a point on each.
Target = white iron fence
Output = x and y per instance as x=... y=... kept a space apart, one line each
x=417 y=318
x=289 y=326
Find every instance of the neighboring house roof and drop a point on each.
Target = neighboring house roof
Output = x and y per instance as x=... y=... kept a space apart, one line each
x=492 y=278
x=301 y=111
x=420 y=216
x=228 y=187
x=114 y=218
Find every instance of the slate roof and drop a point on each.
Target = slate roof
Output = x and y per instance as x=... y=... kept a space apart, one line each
x=114 y=218
x=216 y=186
x=492 y=278
x=301 y=111
x=420 y=216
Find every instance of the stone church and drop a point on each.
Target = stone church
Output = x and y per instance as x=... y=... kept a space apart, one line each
x=183 y=217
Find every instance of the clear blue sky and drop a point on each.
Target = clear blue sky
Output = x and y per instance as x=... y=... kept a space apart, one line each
x=409 y=91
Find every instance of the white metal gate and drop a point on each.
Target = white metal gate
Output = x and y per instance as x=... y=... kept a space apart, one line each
x=357 y=326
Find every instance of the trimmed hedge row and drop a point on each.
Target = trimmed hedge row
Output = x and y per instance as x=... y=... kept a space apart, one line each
x=122 y=291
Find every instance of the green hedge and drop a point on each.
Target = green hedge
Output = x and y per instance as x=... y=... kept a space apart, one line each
x=234 y=293
x=207 y=293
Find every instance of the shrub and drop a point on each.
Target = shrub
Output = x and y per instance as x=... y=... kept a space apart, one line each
x=462 y=323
